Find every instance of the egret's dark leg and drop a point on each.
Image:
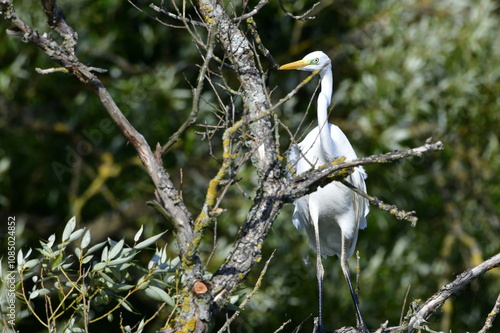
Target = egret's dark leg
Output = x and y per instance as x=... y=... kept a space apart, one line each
x=345 y=269
x=319 y=274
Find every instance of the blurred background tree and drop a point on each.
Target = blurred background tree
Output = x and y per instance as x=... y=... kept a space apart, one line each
x=404 y=71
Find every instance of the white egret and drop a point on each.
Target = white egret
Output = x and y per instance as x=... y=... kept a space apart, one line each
x=332 y=215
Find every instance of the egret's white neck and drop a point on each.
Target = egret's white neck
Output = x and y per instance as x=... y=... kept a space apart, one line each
x=324 y=100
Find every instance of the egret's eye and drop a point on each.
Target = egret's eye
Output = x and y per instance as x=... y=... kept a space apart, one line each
x=315 y=61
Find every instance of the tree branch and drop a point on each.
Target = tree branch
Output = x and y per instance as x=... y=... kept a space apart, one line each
x=303 y=17
x=56 y=21
x=64 y=56
x=491 y=316
x=308 y=181
x=392 y=209
x=251 y=13
x=196 y=96
x=246 y=251
x=437 y=300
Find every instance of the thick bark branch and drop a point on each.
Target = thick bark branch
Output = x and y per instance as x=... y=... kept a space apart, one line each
x=246 y=251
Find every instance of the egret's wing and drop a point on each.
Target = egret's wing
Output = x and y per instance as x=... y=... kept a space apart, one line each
x=344 y=148
x=360 y=204
x=342 y=145
x=300 y=215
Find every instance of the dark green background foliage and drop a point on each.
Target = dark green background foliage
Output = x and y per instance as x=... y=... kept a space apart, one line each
x=404 y=71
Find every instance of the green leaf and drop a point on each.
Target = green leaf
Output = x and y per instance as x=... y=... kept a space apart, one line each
x=57 y=261
x=99 y=266
x=45 y=253
x=77 y=234
x=141 y=326
x=149 y=241
x=43 y=291
x=143 y=285
x=122 y=287
x=126 y=305
x=31 y=263
x=20 y=257
x=104 y=254
x=159 y=295
x=68 y=229
x=77 y=330
x=68 y=265
x=39 y=292
x=78 y=253
x=138 y=234
x=50 y=242
x=115 y=250
x=34 y=294
x=87 y=259
x=86 y=239
x=233 y=307
x=96 y=247
x=119 y=261
x=107 y=278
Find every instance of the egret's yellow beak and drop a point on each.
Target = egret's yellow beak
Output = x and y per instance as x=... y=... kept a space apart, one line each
x=294 y=65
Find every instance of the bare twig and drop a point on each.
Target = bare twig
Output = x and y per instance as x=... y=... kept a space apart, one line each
x=196 y=95
x=252 y=27
x=51 y=70
x=404 y=305
x=491 y=316
x=154 y=17
x=382 y=327
x=392 y=209
x=251 y=13
x=279 y=329
x=174 y=16
x=437 y=300
x=303 y=17
x=249 y=296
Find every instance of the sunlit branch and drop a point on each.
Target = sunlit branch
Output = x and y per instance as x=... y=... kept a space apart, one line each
x=437 y=300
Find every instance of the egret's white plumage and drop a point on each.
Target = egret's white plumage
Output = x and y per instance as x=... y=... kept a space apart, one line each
x=332 y=215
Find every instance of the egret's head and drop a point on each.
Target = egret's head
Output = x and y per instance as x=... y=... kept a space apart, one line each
x=314 y=61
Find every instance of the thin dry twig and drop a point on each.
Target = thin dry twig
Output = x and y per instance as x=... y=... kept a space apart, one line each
x=303 y=17
x=392 y=209
x=251 y=13
x=252 y=27
x=196 y=95
x=491 y=316
x=171 y=15
x=404 y=305
x=249 y=296
x=279 y=329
